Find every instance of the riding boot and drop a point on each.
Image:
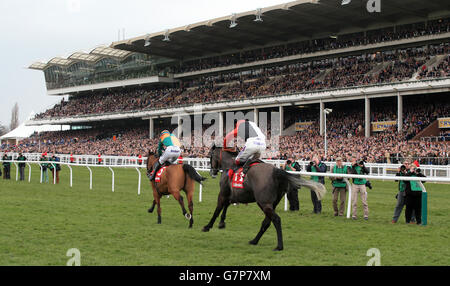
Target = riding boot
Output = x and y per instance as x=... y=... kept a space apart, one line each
x=156 y=167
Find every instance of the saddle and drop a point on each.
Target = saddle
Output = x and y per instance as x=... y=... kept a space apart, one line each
x=161 y=171
x=237 y=177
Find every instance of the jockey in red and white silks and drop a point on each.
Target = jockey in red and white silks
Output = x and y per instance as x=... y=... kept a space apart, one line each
x=255 y=140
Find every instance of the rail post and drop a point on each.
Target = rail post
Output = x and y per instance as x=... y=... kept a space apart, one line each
x=90 y=177
x=70 y=168
x=40 y=179
x=349 y=204
x=424 y=204
x=285 y=202
x=54 y=173
x=112 y=171
x=139 y=182
x=29 y=172
x=17 y=171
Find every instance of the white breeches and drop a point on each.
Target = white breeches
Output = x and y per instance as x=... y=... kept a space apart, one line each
x=170 y=155
x=253 y=146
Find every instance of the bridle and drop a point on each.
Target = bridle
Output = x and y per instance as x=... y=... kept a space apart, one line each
x=219 y=163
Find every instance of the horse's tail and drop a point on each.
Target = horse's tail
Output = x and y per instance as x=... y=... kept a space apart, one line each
x=192 y=173
x=296 y=181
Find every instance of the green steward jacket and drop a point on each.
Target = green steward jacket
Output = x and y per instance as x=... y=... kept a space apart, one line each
x=339 y=183
x=358 y=170
x=6 y=158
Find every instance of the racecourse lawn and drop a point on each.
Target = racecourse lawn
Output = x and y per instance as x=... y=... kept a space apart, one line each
x=40 y=222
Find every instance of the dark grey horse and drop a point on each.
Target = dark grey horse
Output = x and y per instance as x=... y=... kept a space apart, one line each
x=263 y=184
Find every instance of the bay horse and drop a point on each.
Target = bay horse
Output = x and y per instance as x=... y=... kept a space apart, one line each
x=263 y=184
x=174 y=179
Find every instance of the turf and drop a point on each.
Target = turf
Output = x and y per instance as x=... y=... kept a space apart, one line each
x=40 y=222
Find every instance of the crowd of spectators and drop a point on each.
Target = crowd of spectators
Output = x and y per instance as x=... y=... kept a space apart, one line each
x=105 y=141
x=386 y=147
x=338 y=42
x=441 y=70
x=322 y=74
x=345 y=137
x=381 y=148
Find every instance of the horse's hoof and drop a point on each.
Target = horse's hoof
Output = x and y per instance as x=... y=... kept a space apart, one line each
x=150 y=210
x=278 y=248
x=188 y=216
x=222 y=225
x=253 y=242
x=205 y=229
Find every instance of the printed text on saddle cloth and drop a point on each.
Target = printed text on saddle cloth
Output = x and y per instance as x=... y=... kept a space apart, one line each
x=159 y=174
x=237 y=178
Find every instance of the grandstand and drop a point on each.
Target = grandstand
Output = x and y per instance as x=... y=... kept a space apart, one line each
x=385 y=75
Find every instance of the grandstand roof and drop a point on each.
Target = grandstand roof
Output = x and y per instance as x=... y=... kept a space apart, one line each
x=84 y=57
x=294 y=20
x=94 y=56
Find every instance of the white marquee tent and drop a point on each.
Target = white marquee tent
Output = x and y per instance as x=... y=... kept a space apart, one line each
x=24 y=131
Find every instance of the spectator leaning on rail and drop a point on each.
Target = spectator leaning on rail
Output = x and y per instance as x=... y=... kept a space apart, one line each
x=6 y=167
x=402 y=171
x=292 y=194
x=316 y=166
x=21 y=158
x=414 y=195
x=339 y=187
x=359 y=186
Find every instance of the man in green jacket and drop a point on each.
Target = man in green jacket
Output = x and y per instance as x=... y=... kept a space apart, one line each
x=6 y=167
x=22 y=158
x=339 y=187
x=413 y=196
x=292 y=193
x=44 y=167
x=316 y=166
x=402 y=171
x=359 y=186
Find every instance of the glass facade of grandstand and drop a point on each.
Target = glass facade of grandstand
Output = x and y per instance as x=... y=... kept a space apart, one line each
x=105 y=69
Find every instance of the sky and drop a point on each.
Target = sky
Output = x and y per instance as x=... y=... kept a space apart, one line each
x=38 y=30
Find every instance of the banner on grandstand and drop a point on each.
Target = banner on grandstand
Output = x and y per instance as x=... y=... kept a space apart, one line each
x=301 y=126
x=382 y=125
x=444 y=122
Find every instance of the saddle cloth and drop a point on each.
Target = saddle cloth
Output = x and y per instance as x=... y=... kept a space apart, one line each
x=237 y=178
x=159 y=174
